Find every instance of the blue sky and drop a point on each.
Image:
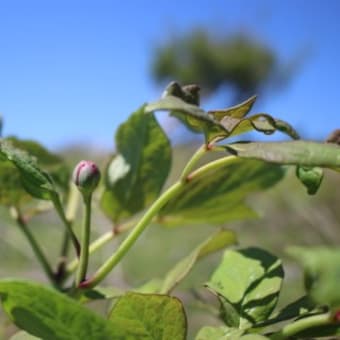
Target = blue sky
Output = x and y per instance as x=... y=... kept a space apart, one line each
x=71 y=71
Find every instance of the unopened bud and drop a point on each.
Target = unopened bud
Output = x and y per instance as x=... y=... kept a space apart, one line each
x=86 y=176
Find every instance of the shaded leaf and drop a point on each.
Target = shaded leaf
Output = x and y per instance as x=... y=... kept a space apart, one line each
x=214 y=243
x=250 y=280
x=322 y=273
x=150 y=317
x=293 y=310
x=51 y=315
x=218 y=195
x=136 y=175
x=303 y=153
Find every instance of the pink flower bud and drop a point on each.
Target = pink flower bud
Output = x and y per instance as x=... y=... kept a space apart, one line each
x=86 y=176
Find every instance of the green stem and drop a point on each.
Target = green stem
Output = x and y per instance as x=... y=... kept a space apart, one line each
x=59 y=208
x=94 y=246
x=193 y=160
x=105 y=269
x=124 y=247
x=71 y=210
x=100 y=242
x=34 y=244
x=85 y=241
x=301 y=325
x=201 y=151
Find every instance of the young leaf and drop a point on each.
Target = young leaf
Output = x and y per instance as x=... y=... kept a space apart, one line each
x=238 y=111
x=250 y=280
x=218 y=195
x=216 y=242
x=136 y=175
x=50 y=315
x=322 y=273
x=310 y=177
x=304 y=153
x=150 y=317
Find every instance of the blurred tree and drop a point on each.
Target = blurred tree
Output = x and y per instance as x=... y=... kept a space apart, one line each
x=237 y=61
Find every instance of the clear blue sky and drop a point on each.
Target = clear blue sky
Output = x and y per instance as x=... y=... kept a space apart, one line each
x=73 y=70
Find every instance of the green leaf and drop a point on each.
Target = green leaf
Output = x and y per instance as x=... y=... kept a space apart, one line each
x=250 y=280
x=218 y=195
x=50 y=315
x=216 y=242
x=50 y=162
x=35 y=181
x=300 y=307
x=304 y=153
x=238 y=111
x=322 y=273
x=218 y=124
x=136 y=174
x=150 y=317
x=310 y=177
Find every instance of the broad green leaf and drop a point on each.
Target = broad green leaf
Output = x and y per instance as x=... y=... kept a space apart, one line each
x=50 y=315
x=218 y=195
x=136 y=174
x=250 y=280
x=150 y=317
x=310 y=177
x=216 y=242
x=304 y=153
x=322 y=273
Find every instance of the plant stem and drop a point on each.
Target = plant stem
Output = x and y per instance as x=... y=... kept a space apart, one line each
x=59 y=208
x=100 y=242
x=71 y=210
x=34 y=244
x=193 y=160
x=105 y=269
x=302 y=325
x=201 y=151
x=85 y=241
x=94 y=246
x=124 y=247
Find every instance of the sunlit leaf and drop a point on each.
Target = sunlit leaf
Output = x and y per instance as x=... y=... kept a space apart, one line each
x=250 y=280
x=238 y=111
x=150 y=317
x=136 y=174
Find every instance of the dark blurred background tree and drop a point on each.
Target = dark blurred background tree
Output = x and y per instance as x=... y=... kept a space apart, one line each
x=238 y=62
